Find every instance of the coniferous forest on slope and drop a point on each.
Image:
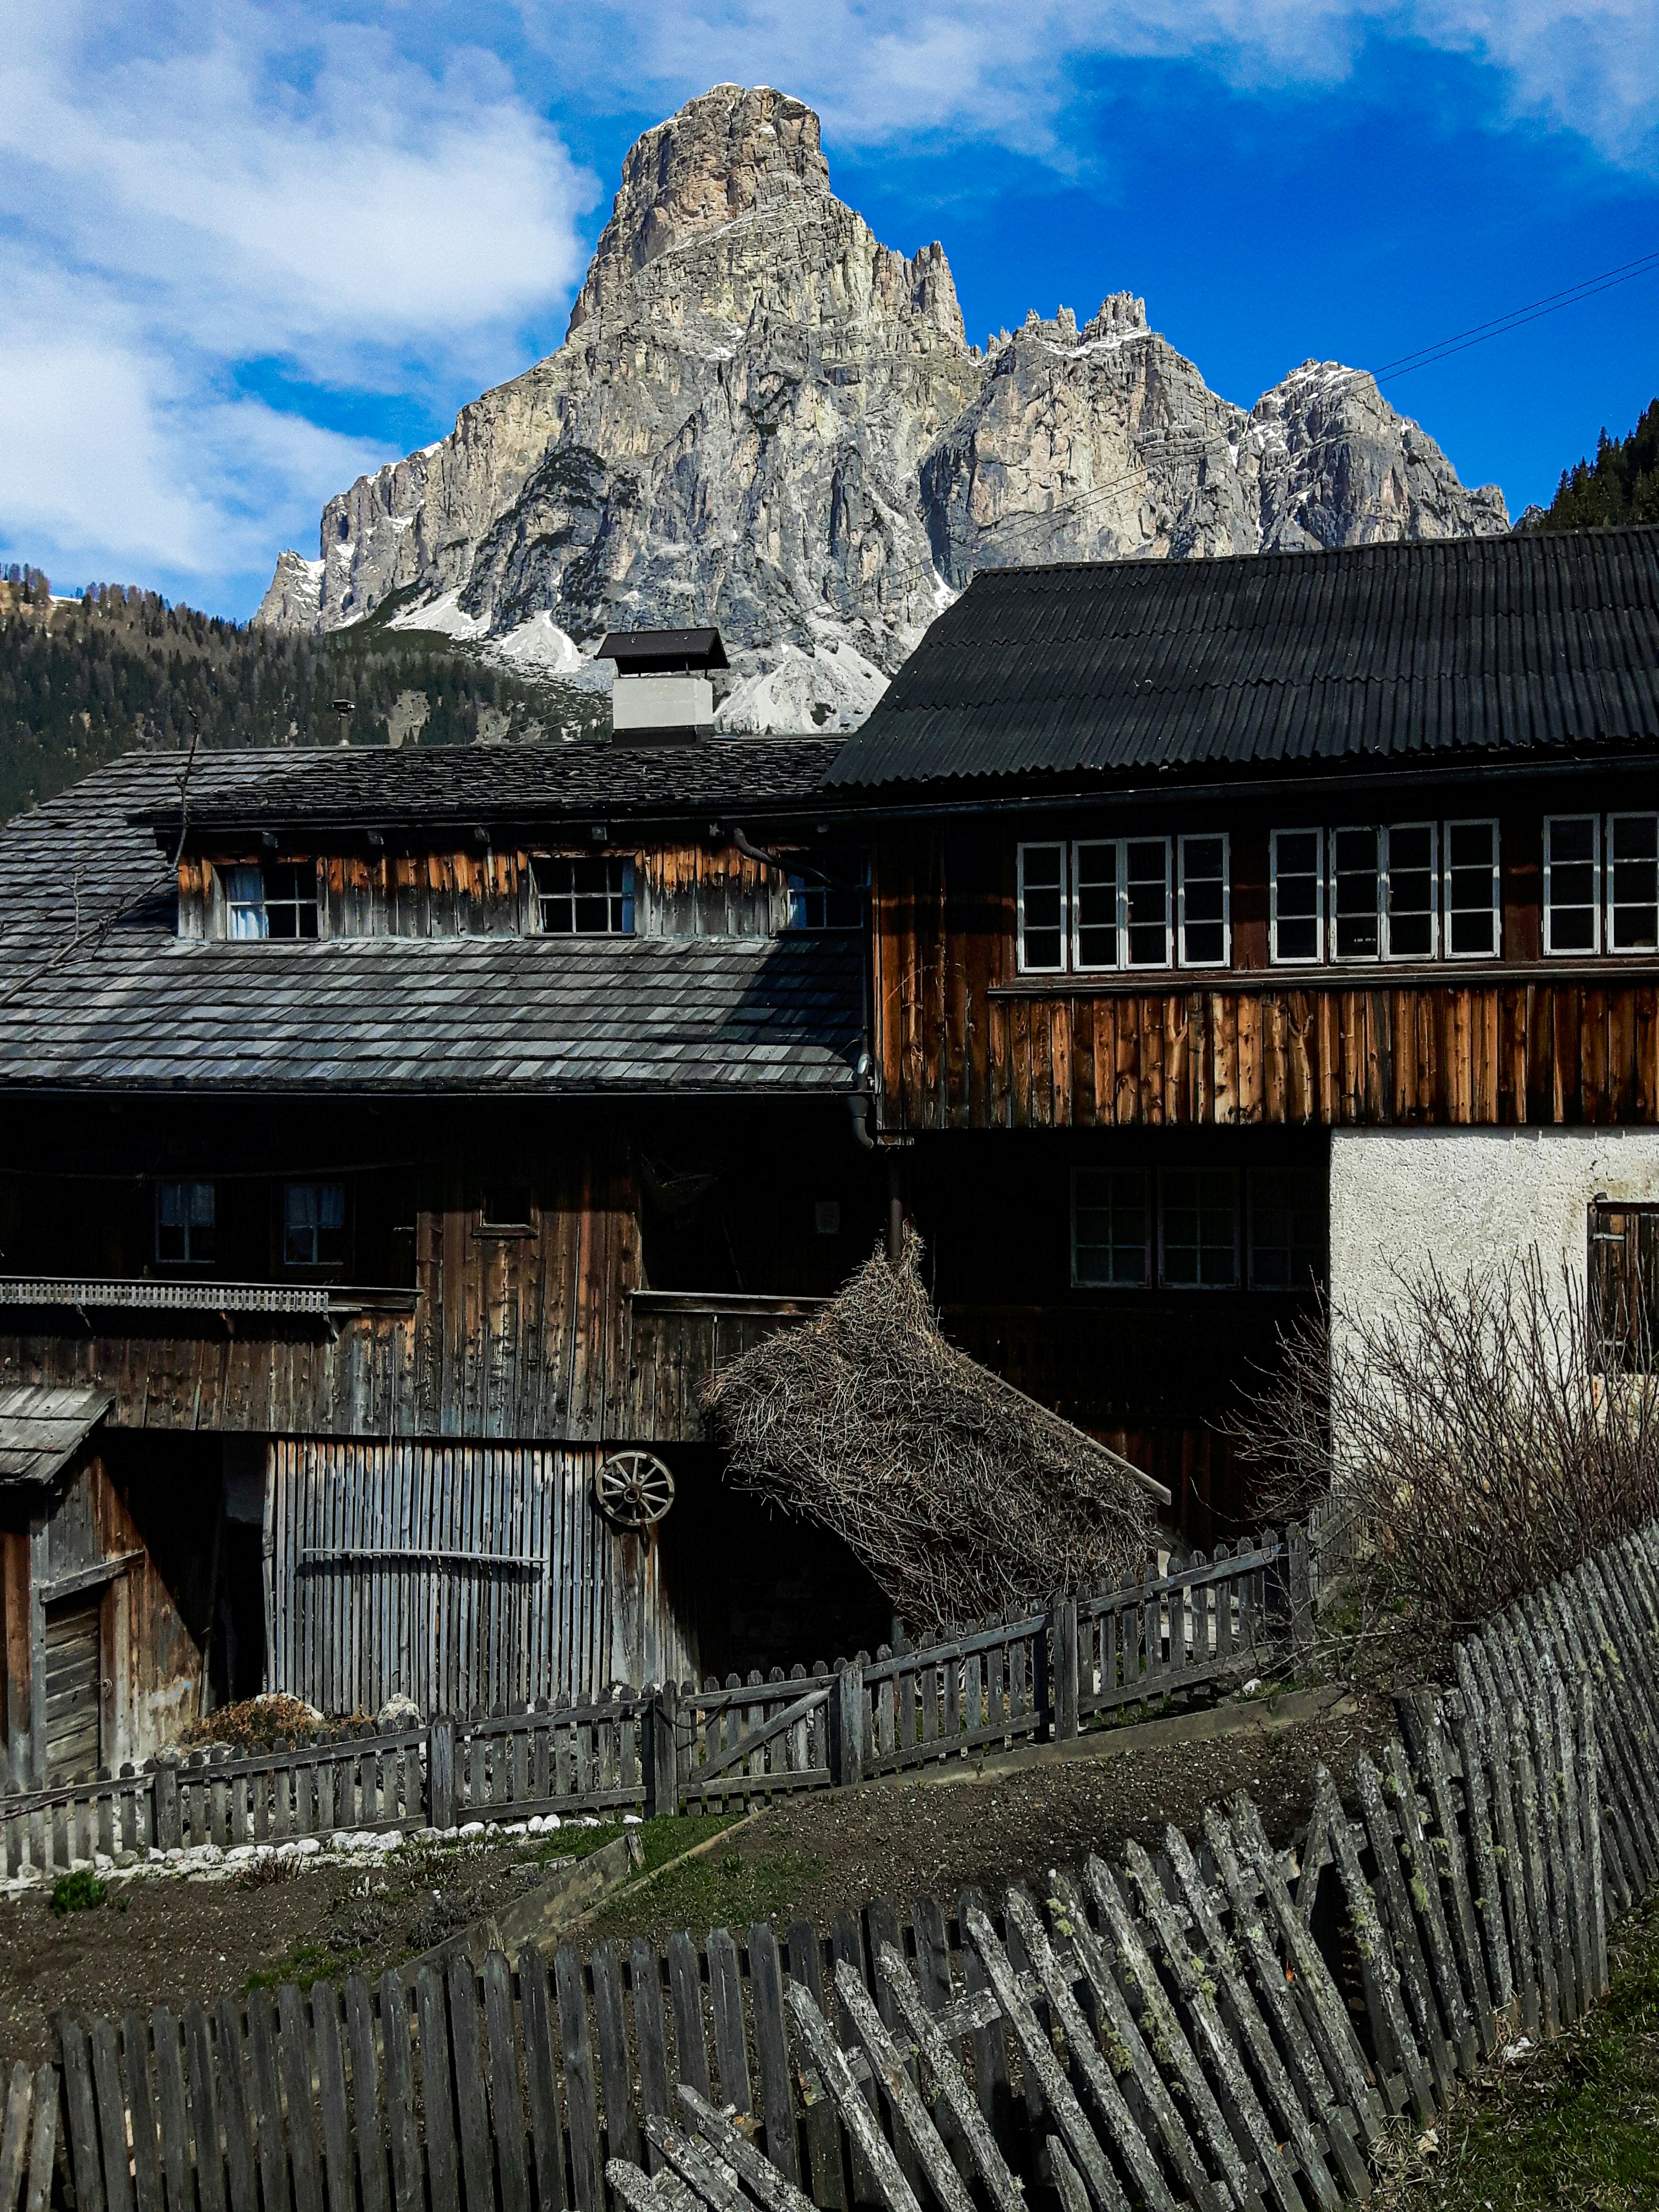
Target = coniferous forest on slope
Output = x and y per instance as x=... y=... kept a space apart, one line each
x=1619 y=486
x=83 y=680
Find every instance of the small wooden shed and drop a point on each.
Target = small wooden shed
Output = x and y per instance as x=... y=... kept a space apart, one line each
x=100 y=1666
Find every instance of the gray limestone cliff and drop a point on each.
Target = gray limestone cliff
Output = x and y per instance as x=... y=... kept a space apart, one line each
x=763 y=417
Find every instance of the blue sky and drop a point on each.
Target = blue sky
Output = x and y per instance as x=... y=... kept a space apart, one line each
x=246 y=251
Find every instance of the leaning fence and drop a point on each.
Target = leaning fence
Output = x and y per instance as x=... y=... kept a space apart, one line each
x=1226 y=2024
x=1053 y=1670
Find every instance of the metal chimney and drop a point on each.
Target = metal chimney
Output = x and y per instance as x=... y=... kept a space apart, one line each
x=663 y=694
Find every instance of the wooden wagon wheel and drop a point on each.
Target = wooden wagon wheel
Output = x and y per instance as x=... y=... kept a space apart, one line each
x=634 y=1489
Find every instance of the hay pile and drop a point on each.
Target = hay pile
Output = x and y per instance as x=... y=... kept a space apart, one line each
x=962 y=1497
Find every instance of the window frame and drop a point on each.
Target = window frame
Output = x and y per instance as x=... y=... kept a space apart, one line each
x=1316 y=1178
x=1387 y=833
x=1574 y=951
x=318 y=1183
x=262 y=909
x=1236 y=1282
x=187 y=1258
x=1122 y=963
x=1316 y=958
x=625 y=897
x=1448 y=951
x=1204 y=837
x=1335 y=957
x=1041 y=845
x=1625 y=814
x=799 y=890
x=1149 y=1229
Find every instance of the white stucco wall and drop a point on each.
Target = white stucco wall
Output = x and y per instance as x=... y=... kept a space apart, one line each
x=1469 y=1197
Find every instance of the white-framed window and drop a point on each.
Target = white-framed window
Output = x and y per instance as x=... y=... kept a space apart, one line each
x=1120 y=902
x=1355 y=894
x=1287 y=1228
x=313 y=1224
x=587 y=898
x=1632 y=883
x=1385 y=892
x=1472 y=896
x=1297 y=897
x=1198 y=1229
x=1111 y=1228
x=1204 y=902
x=1042 y=920
x=1572 y=882
x=183 y=1224
x=278 y=899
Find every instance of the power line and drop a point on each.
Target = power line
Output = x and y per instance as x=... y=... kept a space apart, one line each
x=1552 y=304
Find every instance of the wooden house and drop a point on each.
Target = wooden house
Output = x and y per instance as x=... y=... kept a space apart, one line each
x=1247 y=926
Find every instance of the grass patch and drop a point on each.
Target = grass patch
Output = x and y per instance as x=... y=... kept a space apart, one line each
x=662 y=1840
x=1576 y=2124
x=310 y=1962
x=721 y=1889
x=80 y=1891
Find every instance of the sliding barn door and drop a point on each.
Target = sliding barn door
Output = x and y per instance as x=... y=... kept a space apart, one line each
x=464 y=1576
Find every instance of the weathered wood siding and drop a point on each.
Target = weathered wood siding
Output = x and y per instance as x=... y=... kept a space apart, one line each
x=467 y=1578
x=964 y=1042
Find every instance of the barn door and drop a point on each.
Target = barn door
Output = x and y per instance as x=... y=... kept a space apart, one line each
x=73 y=1660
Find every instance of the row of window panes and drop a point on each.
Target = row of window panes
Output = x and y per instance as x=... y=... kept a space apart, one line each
x=1181 y=1228
x=314 y=1223
x=1402 y=890
x=1601 y=883
x=1107 y=903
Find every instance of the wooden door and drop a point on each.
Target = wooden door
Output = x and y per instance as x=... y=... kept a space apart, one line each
x=73 y=1660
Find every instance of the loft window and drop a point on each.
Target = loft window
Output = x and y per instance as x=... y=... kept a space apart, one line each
x=1297 y=896
x=1204 y=903
x=506 y=1205
x=1632 y=883
x=1198 y=1228
x=1041 y=916
x=1120 y=902
x=313 y=1224
x=278 y=900
x=1471 y=890
x=1287 y=1228
x=1110 y=1240
x=183 y=1224
x=1572 y=883
x=1624 y=1288
x=587 y=898
x=837 y=904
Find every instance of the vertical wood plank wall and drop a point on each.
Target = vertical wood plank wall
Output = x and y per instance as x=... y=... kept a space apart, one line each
x=470 y=1578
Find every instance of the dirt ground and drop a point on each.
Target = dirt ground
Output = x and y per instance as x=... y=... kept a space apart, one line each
x=168 y=1941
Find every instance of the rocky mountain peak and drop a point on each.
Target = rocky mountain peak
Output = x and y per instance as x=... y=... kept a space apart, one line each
x=722 y=156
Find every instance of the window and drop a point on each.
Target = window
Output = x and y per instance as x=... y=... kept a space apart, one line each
x=1110 y=1243
x=1287 y=1228
x=1297 y=896
x=586 y=898
x=1632 y=883
x=836 y=904
x=1624 y=1287
x=1198 y=1228
x=313 y=1224
x=1042 y=909
x=1411 y=898
x=183 y=1224
x=1120 y=902
x=1572 y=883
x=1471 y=890
x=1356 y=885
x=826 y=1216
x=279 y=900
x=506 y=1205
x=1204 y=904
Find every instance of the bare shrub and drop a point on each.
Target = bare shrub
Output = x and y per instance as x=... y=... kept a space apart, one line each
x=961 y=1495
x=1469 y=1429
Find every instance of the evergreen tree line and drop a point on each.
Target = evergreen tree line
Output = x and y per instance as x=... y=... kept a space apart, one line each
x=83 y=680
x=1620 y=485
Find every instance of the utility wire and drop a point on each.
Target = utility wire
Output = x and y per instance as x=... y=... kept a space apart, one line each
x=1517 y=318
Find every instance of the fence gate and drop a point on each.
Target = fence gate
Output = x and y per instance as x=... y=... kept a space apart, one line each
x=466 y=1576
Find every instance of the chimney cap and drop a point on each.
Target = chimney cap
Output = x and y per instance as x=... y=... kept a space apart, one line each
x=663 y=652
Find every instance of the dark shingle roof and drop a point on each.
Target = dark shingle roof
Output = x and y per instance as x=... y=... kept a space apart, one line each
x=464 y=785
x=134 y=1008
x=1379 y=653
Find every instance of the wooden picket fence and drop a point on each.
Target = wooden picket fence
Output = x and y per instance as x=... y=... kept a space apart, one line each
x=1224 y=2026
x=28 y=2139
x=1049 y=1671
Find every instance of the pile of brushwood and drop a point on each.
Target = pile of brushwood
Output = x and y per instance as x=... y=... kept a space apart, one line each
x=961 y=1495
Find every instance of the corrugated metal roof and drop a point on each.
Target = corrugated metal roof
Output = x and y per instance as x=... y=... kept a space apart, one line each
x=1385 y=654
x=637 y=650
x=42 y=1427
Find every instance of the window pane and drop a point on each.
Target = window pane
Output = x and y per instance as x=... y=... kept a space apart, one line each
x=1043 y=899
x=184 y=1221
x=1571 y=887
x=1354 y=894
x=1296 y=894
x=1410 y=891
x=1472 y=887
x=1108 y=1226
x=245 y=891
x=1146 y=878
x=314 y=1223
x=586 y=898
x=1095 y=892
x=1287 y=1228
x=290 y=896
x=1203 y=901
x=1197 y=1226
x=1634 y=882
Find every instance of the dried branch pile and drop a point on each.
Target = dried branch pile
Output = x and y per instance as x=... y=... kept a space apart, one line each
x=961 y=1495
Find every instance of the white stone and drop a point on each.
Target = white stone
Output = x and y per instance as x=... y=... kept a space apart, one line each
x=470 y=1828
x=633 y=1820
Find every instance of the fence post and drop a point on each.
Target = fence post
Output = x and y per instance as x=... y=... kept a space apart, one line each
x=440 y=1775
x=849 y=1743
x=1063 y=1626
x=169 y=1831
x=1301 y=1589
x=661 y=1761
